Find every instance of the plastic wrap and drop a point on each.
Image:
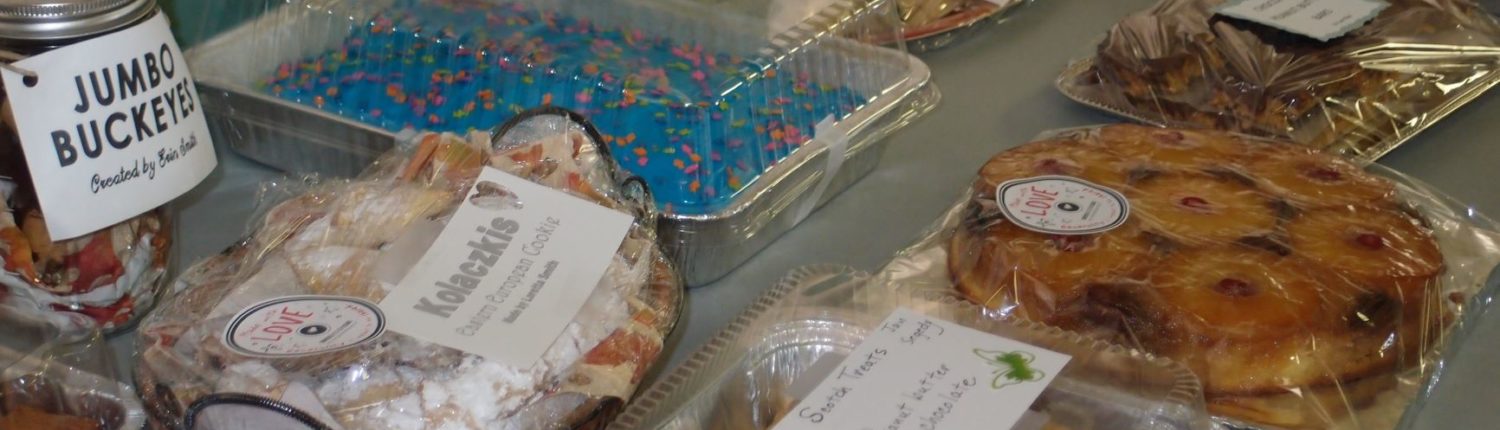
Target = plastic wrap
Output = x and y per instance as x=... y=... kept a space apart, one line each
x=933 y=24
x=1360 y=95
x=748 y=376
x=331 y=239
x=1303 y=291
x=56 y=377
x=108 y=278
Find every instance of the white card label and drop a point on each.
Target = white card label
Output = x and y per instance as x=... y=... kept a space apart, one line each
x=917 y=372
x=1062 y=205
x=1319 y=19
x=510 y=270
x=296 y=326
x=111 y=127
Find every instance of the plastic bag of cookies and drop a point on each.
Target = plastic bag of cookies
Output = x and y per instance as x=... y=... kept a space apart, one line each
x=1184 y=63
x=1305 y=292
x=306 y=322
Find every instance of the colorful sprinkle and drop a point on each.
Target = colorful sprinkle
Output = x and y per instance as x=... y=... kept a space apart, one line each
x=450 y=66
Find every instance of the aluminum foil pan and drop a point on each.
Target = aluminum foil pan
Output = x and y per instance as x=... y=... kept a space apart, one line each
x=302 y=139
x=1078 y=70
x=752 y=372
x=1360 y=95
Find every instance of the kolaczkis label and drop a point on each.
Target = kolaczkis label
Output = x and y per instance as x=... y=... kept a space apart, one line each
x=110 y=122
x=921 y=373
x=297 y=326
x=508 y=272
x=1062 y=205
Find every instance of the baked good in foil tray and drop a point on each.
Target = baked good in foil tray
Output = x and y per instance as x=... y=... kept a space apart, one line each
x=1180 y=64
x=329 y=241
x=107 y=278
x=927 y=18
x=696 y=123
x=1287 y=279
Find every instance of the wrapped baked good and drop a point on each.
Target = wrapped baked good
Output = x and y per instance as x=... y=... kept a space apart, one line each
x=350 y=244
x=107 y=278
x=933 y=24
x=1179 y=63
x=1303 y=291
x=55 y=377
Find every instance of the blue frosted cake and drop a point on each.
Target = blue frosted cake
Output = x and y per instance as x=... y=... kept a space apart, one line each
x=698 y=126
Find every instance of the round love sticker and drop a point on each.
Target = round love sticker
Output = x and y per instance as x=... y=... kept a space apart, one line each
x=295 y=326
x=1062 y=205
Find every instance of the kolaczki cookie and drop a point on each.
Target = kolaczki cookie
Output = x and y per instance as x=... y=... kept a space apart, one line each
x=328 y=241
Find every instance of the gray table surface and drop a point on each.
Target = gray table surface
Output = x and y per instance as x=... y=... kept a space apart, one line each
x=997 y=93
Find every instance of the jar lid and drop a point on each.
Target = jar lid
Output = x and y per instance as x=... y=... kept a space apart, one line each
x=49 y=20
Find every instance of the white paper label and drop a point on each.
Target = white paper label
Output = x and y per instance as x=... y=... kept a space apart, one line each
x=917 y=372
x=509 y=272
x=111 y=127
x=1062 y=205
x=297 y=326
x=1319 y=19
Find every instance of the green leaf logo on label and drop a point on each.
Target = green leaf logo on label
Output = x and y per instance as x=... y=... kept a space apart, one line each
x=1011 y=367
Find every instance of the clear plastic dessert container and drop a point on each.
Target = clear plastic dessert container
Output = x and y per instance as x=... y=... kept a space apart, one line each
x=1235 y=255
x=739 y=133
x=55 y=376
x=746 y=377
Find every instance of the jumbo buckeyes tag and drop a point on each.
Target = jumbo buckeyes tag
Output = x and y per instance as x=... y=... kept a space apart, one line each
x=111 y=127
x=296 y=326
x=1062 y=205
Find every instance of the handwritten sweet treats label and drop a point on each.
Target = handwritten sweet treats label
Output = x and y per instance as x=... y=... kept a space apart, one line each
x=1062 y=205
x=296 y=326
x=919 y=372
x=509 y=272
x=111 y=122
x=1319 y=19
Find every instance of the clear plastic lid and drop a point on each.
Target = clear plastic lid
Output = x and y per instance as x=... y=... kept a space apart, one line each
x=754 y=371
x=1304 y=291
x=694 y=99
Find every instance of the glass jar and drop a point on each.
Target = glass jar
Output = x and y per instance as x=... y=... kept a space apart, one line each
x=107 y=278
